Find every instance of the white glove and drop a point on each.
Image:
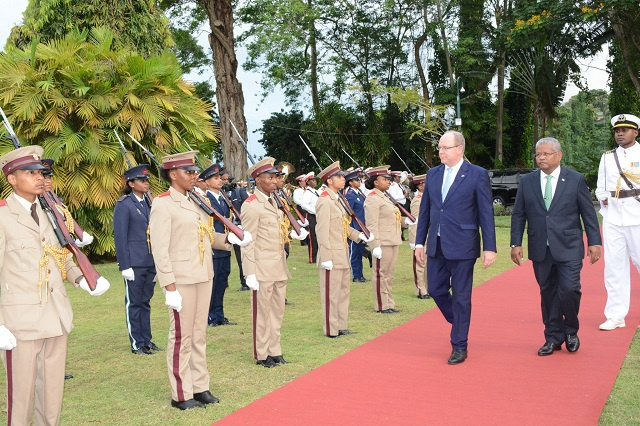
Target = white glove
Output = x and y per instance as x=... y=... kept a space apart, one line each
x=102 y=286
x=302 y=236
x=233 y=239
x=86 y=240
x=365 y=239
x=408 y=222
x=328 y=265
x=413 y=246
x=7 y=339
x=252 y=282
x=128 y=274
x=303 y=224
x=377 y=253
x=173 y=300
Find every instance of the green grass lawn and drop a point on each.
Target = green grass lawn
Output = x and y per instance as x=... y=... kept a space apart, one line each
x=112 y=386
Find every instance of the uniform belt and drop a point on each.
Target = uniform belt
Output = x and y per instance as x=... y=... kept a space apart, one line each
x=626 y=193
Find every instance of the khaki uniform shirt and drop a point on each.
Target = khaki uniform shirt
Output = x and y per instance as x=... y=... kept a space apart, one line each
x=333 y=229
x=28 y=310
x=415 y=209
x=383 y=220
x=180 y=241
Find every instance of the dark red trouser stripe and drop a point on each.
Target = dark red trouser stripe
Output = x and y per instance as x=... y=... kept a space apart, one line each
x=9 y=386
x=378 y=294
x=176 y=356
x=327 y=300
x=415 y=274
x=254 y=317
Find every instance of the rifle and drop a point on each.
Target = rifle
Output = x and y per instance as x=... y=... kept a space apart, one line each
x=147 y=195
x=310 y=153
x=197 y=198
x=393 y=200
x=294 y=223
x=225 y=197
x=421 y=159
x=290 y=204
x=57 y=222
x=405 y=164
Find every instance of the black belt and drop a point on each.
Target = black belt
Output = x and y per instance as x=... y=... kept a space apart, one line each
x=626 y=193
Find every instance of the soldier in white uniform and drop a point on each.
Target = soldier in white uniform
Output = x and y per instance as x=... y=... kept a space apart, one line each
x=618 y=191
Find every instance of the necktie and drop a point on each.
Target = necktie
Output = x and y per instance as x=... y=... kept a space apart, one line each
x=143 y=205
x=548 y=192
x=447 y=183
x=34 y=214
x=272 y=202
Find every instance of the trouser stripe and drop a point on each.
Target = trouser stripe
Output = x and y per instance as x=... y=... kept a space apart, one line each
x=378 y=294
x=8 y=355
x=254 y=314
x=327 y=300
x=176 y=355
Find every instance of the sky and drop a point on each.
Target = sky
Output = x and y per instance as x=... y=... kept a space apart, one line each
x=256 y=109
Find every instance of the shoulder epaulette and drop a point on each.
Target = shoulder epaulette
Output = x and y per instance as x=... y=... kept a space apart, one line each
x=418 y=196
x=371 y=193
x=164 y=194
x=324 y=194
x=3 y=203
x=121 y=198
x=610 y=152
x=251 y=198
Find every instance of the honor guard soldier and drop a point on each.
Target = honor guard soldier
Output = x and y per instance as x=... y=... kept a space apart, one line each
x=355 y=197
x=264 y=263
x=35 y=313
x=308 y=204
x=238 y=193
x=333 y=230
x=618 y=191
x=419 y=278
x=384 y=220
x=212 y=176
x=182 y=235
x=130 y=225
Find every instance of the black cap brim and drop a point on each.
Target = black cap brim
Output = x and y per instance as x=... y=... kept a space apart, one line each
x=33 y=167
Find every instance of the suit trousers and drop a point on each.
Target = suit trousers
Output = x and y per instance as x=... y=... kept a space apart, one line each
x=313 y=242
x=267 y=308
x=560 y=296
x=419 y=276
x=383 y=278
x=221 y=271
x=449 y=283
x=335 y=289
x=356 y=252
x=187 y=343
x=620 y=244
x=35 y=380
x=137 y=298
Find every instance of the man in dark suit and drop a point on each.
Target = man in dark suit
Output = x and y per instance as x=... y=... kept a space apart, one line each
x=456 y=203
x=552 y=201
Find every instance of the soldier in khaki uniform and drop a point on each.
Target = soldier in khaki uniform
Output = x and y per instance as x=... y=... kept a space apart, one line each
x=264 y=263
x=182 y=236
x=333 y=229
x=35 y=313
x=419 y=277
x=384 y=220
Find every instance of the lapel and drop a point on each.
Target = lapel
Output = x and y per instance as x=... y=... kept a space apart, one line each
x=460 y=176
x=536 y=187
x=265 y=203
x=182 y=200
x=137 y=205
x=436 y=180
x=23 y=216
x=560 y=187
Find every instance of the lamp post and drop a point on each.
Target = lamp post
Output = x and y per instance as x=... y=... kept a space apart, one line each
x=459 y=89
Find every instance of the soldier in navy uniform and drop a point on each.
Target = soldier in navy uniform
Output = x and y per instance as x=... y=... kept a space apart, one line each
x=356 y=200
x=212 y=176
x=237 y=194
x=130 y=223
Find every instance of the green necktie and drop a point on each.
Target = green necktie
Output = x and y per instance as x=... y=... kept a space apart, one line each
x=548 y=192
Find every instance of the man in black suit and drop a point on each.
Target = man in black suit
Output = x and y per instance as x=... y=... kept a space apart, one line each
x=552 y=201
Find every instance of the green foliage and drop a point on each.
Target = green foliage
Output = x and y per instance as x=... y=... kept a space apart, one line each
x=68 y=95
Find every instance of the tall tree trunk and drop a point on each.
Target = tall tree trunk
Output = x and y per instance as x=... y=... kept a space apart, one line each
x=502 y=61
x=619 y=31
x=423 y=79
x=228 y=89
x=445 y=43
x=315 y=98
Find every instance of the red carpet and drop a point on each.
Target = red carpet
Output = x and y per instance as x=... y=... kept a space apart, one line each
x=402 y=377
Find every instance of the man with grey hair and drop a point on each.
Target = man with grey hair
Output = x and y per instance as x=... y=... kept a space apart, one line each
x=552 y=202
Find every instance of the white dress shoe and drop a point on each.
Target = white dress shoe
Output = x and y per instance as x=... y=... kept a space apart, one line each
x=612 y=324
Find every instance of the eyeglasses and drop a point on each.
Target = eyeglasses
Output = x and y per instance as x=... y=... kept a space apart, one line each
x=545 y=154
x=444 y=148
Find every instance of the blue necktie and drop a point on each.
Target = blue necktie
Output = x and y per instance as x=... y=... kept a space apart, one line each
x=447 y=183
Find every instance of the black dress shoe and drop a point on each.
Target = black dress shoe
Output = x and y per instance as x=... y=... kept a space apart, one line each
x=573 y=343
x=187 y=405
x=267 y=363
x=360 y=280
x=215 y=324
x=333 y=337
x=278 y=359
x=389 y=311
x=142 y=351
x=68 y=376
x=205 y=397
x=227 y=322
x=244 y=288
x=345 y=332
x=153 y=347
x=457 y=356
x=286 y=302
x=549 y=347
x=424 y=296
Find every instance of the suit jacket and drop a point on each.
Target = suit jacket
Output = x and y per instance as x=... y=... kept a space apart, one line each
x=224 y=210
x=383 y=220
x=561 y=225
x=173 y=228
x=356 y=201
x=130 y=223
x=467 y=209
x=264 y=257
x=333 y=230
x=28 y=311
x=238 y=196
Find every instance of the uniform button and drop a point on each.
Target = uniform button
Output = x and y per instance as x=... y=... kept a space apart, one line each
x=42 y=239
x=48 y=271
